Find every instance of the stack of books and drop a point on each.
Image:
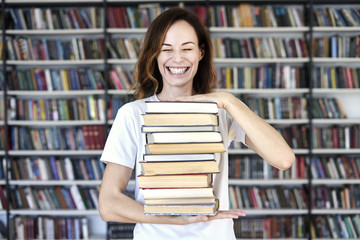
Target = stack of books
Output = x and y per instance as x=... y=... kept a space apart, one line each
x=179 y=161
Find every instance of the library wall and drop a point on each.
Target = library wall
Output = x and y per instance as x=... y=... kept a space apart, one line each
x=66 y=69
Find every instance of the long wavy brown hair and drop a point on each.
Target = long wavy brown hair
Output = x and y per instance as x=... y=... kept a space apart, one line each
x=148 y=79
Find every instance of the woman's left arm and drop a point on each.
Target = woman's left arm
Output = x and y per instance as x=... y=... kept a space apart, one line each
x=261 y=137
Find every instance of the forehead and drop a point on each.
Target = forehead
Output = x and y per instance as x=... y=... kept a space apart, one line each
x=180 y=32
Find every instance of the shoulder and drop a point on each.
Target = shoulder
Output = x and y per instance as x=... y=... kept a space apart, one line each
x=135 y=107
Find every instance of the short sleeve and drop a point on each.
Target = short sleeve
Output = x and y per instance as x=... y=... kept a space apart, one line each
x=123 y=139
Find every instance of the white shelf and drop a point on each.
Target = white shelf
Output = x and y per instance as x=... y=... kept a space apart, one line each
x=336 y=60
x=59 y=212
x=264 y=182
x=335 y=151
x=334 y=181
x=259 y=29
x=336 y=29
x=264 y=212
x=260 y=60
x=249 y=151
x=332 y=121
x=126 y=30
x=55 y=152
x=55 y=62
x=336 y=90
x=82 y=31
x=267 y=91
x=335 y=211
x=48 y=123
x=52 y=94
x=121 y=61
x=55 y=182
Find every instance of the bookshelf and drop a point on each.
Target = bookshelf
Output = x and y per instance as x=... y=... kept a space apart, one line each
x=308 y=70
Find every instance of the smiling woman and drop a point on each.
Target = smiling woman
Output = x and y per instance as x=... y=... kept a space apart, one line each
x=176 y=64
x=178 y=60
x=177 y=35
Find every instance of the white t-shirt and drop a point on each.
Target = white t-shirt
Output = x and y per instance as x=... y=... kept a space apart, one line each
x=125 y=145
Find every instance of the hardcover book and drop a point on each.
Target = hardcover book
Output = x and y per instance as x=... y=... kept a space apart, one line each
x=187 y=167
x=196 y=209
x=181 y=107
x=175 y=181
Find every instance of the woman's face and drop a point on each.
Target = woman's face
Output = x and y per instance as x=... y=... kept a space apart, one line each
x=179 y=56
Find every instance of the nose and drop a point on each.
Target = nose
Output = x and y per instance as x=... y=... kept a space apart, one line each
x=178 y=56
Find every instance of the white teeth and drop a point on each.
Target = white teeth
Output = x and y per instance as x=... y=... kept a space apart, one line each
x=177 y=70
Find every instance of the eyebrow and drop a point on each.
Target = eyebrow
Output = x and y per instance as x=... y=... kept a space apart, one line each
x=190 y=42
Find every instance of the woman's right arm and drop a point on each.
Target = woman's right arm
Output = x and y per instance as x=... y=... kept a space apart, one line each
x=115 y=206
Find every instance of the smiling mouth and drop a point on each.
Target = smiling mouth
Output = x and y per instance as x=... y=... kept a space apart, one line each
x=177 y=70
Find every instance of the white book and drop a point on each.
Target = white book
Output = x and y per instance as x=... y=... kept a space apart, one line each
x=69 y=169
x=75 y=49
x=75 y=193
x=43 y=169
x=178 y=193
x=183 y=137
x=84 y=228
x=174 y=106
x=178 y=157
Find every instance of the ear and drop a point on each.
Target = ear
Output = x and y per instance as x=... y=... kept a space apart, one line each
x=202 y=52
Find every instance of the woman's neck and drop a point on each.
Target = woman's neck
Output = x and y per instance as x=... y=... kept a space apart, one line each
x=165 y=95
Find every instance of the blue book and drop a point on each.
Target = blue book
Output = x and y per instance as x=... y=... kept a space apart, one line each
x=89 y=169
x=240 y=77
x=333 y=47
x=54 y=168
x=340 y=20
x=59 y=50
x=67 y=198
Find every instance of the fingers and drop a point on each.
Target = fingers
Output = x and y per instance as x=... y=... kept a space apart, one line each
x=234 y=213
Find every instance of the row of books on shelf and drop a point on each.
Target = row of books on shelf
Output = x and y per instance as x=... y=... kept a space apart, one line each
x=93 y=108
x=92 y=137
x=249 y=167
x=128 y=48
x=278 y=107
x=83 y=108
x=55 y=49
x=87 y=137
x=267 y=197
x=53 y=168
x=327 y=108
x=343 y=197
x=56 y=79
x=124 y=48
x=336 y=77
x=340 y=167
x=120 y=79
x=49 y=227
x=250 y=15
x=117 y=230
x=133 y=17
x=260 y=77
x=264 y=76
x=337 y=17
x=54 y=198
x=335 y=226
x=56 y=18
x=344 y=137
x=284 y=227
x=89 y=108
x=264 y=47
x=336 y=46
x=245 y=228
